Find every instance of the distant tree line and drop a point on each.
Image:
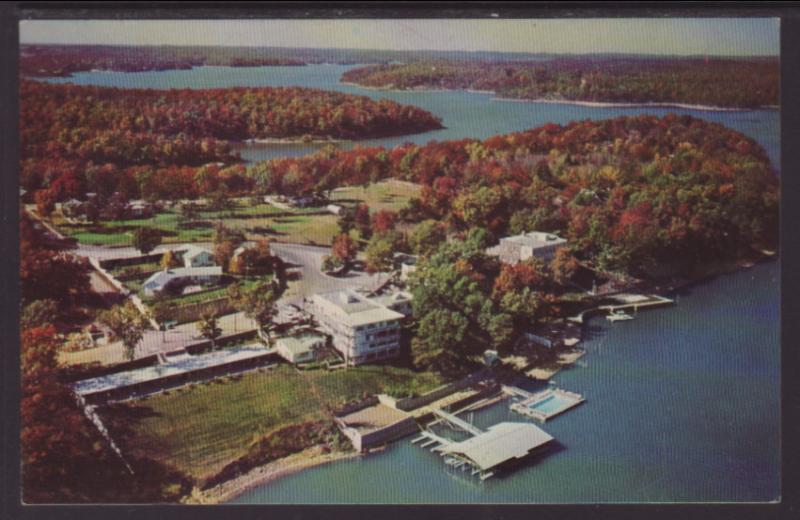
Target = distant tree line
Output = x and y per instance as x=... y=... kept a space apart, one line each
x=728 y=82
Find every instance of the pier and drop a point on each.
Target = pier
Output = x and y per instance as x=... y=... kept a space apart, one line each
x=626 y=301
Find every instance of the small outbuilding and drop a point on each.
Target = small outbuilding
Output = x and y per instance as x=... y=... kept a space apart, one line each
x=301 y=348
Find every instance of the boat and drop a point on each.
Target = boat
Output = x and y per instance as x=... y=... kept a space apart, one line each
x=618 y=316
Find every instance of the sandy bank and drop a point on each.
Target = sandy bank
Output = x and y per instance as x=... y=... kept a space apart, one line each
x=612 y=104
x=261 y=475
x=595 y=104
x=286 y=140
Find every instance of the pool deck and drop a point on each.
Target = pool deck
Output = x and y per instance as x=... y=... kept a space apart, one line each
x=525 y=407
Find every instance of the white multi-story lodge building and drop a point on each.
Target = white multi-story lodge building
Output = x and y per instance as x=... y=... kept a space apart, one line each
x=515 y=249
x=363 y=329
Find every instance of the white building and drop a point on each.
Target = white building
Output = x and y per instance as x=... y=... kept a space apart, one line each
x=363 y=329
x=162 y=279
x=399 y=301
x=301 y=348
x=515 y=249
x=195 y=256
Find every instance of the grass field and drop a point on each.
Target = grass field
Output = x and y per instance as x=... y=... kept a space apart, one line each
x=199 y=429
x=303 y=226
x=391 y=194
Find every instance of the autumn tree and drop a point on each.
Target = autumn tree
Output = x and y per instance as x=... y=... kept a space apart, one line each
x=45 y=202
x=146 y=239
x=362 y=221
x=55 y=438
x=48 y=273
x=169 y=260
x=383 y=221
x=344 y=249
x=563 y=266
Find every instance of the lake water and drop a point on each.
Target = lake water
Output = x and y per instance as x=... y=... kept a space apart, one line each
x=464 y=114
x=683 y=403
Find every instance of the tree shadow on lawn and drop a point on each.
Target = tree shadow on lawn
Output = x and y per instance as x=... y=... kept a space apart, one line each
x=121 y=418
x=266 y=230
x=195 y=224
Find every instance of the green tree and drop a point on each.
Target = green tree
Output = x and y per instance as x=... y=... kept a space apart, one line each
x=380 y=250
x=39 y=313
x=146 y=239
x=127 y=325
x=331 y=263
x=426 y=237
x=259 y=303
x=439 y=341
x=452 y=289
x=208 y=327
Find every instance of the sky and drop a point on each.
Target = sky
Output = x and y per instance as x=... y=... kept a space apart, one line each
x=665 y=36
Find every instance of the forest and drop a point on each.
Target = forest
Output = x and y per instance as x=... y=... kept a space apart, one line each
x=632 y=194
x=68 y=129
x=63 y=60
x=739 y=83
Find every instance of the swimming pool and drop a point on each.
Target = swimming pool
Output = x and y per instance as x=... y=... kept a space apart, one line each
x=551 y=404
x=547 y=404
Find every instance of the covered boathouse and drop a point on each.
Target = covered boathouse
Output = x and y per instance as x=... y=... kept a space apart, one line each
x=502 y=444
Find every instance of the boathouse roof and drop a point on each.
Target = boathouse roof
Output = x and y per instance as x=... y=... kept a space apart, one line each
x=501 y=443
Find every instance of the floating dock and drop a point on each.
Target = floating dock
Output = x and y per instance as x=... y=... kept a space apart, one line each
x=624 y=302
x=546 y=404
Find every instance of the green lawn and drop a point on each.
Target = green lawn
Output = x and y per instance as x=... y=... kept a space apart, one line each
x=262 y=220
x=391 y=194
x=178 y=301
x=199 y=429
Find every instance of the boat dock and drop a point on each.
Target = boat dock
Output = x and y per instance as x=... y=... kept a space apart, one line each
x=626 y=301
x=635 y=302
x=485 y=452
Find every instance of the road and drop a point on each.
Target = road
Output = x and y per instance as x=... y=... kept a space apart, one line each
x=307 y=259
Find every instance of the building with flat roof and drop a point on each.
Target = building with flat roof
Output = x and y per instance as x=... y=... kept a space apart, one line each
x=515 y=249
x=375 y=425
x=363 y=329
x=501 y=444
x=301 y=348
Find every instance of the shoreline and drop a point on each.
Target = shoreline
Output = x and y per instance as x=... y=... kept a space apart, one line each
x=261 y=475
x=619 y=104
x=290 y=140
x=591 y=104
